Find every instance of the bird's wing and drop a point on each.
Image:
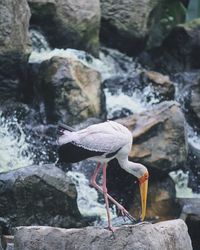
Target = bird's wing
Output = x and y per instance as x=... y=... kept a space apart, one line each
x=104 y=137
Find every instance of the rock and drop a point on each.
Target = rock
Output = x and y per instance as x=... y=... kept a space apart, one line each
x=68 y=24
x=158 y=137
x=194 y=101
x=14 y=47
x=164 y=235
x=131 y=25
x=193 y=164
x=2 y=240
x=161 y=203
x=71 y=91
x=38 y=195
x=161 y=191
x=179 y=51
x=193 y=223
x=162 y=87
x=191 y=215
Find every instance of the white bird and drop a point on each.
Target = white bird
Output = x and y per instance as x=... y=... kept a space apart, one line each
x=103 y=142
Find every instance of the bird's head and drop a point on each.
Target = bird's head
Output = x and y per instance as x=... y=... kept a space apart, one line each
x=141 y=172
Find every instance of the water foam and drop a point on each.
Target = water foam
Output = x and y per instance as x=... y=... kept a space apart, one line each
x=87 y=199
x=14 y=150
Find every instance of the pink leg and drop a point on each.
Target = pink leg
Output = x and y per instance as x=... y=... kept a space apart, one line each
x=94 y=184
x=106 y=197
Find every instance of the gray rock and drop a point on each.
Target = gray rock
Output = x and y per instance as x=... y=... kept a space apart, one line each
x=38 y=195
x=191 y=215
x=68 y=24
x=178 y=52
x=195 y=99
x=14 y=46
x=158 y=137
x=161 y=191
x=71 y=91
x=2 y=240
x=168 y=235
x=130 y=25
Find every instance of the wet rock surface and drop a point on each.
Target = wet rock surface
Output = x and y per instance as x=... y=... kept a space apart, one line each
x=68 y=24
x=14 y=48
x=191 y=215
x=131 y=25
x=70 y=91
x=158 y=137
x=149 y=85
x=161 y=202
x=164 y=235
x=38 y=195
x=178 y=52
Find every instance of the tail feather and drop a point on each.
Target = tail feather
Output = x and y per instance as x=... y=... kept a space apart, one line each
x=62 y=127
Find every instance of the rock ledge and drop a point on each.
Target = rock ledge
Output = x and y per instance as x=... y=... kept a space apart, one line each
x=169 y=235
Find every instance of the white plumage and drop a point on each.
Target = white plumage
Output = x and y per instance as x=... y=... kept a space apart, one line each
x=106 y=137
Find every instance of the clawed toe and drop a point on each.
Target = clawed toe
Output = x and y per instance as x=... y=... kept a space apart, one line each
x=112 y=229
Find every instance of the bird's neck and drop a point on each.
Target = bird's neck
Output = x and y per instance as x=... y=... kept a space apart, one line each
x=133 y=168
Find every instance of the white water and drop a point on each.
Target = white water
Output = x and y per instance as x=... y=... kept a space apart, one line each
x=14 y=150
x=88 y=197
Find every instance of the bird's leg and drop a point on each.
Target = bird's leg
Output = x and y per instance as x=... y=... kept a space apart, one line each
x=94 y=177
x=124 y=212
x=106 y=197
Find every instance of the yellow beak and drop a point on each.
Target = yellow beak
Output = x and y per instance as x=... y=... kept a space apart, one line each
x=143 y=182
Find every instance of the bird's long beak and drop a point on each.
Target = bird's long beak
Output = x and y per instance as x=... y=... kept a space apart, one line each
x=143 y=182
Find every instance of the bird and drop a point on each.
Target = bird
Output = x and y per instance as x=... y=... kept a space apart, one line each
x=103 y=142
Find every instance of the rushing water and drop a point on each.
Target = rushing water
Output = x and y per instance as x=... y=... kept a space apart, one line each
x=14 y=149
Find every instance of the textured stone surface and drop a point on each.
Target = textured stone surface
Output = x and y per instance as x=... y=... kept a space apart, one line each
x=195 y=100
x=191 y=215
x=71 y=90
x=161 y=202
x=14 y=22
x=158 y=137
x=161 y=85
x=180 y=50
x=14 y=46
x=168 y=235
x=67 y=23
x=129 y=24
x=38 y=195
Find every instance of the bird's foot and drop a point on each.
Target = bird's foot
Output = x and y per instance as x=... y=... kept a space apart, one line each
x=125 y=213
x=112 y=229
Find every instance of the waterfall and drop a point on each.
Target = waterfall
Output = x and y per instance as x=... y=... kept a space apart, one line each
x=14 y=149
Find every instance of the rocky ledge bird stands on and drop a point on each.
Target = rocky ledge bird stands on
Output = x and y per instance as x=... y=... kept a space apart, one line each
x=103 y=142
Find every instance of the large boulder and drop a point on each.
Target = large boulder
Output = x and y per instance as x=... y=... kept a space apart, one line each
x=171 y=235
x=71 y=91
x=38 y=195
x=130 y=25
x=68 y=24
x=14 y=47
x=158 y=137
x=179 y=51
